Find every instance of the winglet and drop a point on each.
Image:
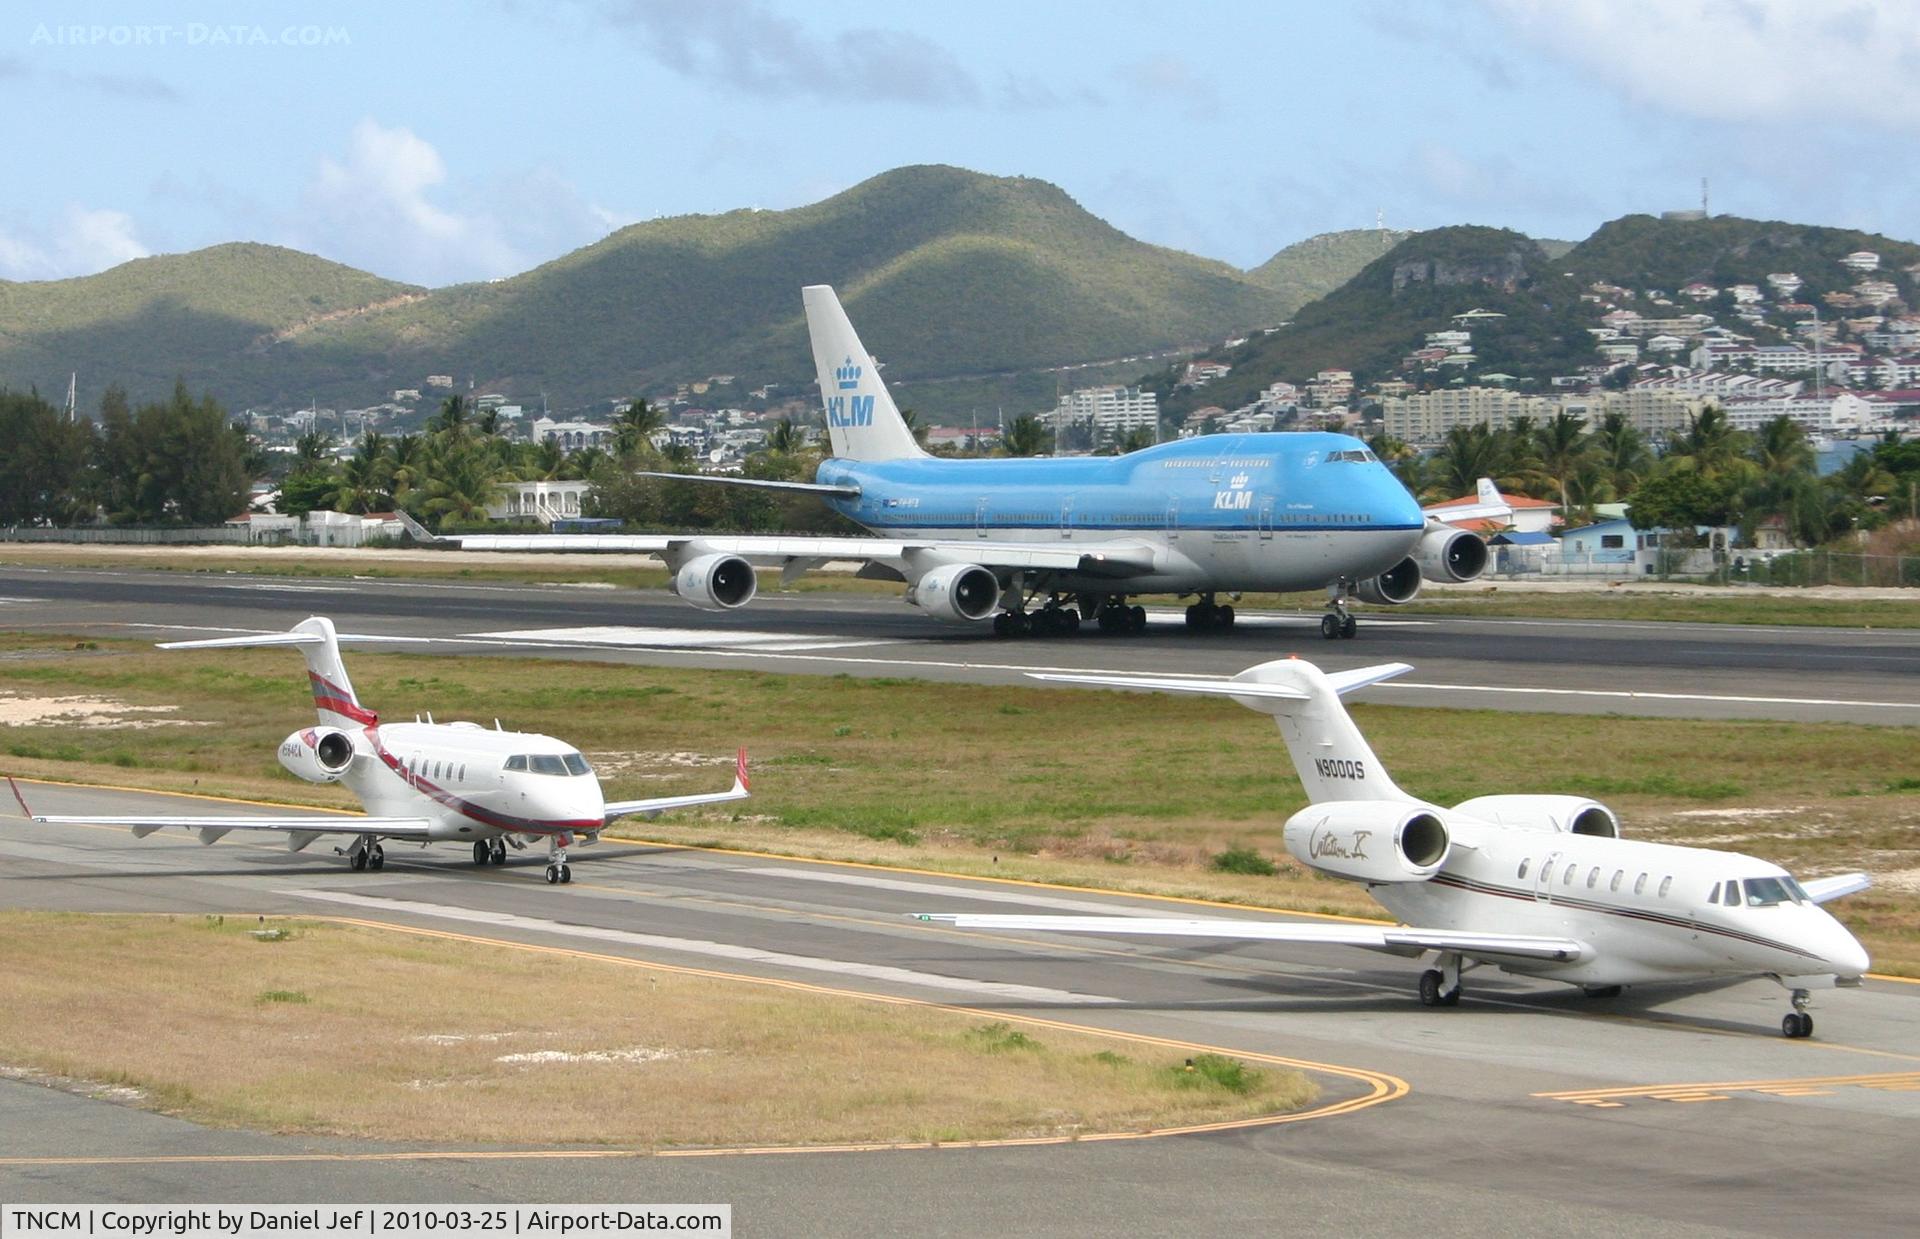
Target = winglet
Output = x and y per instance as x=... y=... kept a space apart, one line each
x=1489 y=493
x=18 y=797
x=740 y=782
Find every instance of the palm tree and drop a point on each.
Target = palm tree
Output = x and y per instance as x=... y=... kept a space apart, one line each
x=451 y=421
x=785 y=438
x=406 y=455
x=1781 y=448
x=1466 y=455
x=1024 y=436
x=1562 y=445
x=462 y=478
x=633 y=429
x=312 y=450
x=365 y=484
x=1622 y=451
x=1136 y=439
x=915 y=426
x=1710 y=440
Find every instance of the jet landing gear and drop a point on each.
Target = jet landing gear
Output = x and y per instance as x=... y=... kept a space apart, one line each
x=1440 y=987
x=558 y=870
x=1338 y=622
x=1797 y=1023
x=492 y=852
x=366 y=853
x=1208 y=616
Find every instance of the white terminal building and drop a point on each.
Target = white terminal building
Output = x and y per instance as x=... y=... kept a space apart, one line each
x=1112 y=412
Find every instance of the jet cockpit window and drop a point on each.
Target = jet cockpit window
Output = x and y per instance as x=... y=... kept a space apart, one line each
x=546 y=763
x=1354 y=454
x=517 y=762
x=1799 y=892
x=1732 y=897
x=577 y=764
x=1765 y=892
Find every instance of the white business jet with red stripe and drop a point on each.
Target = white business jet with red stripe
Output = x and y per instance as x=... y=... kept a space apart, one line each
x=1540 y=885
x=422 y=782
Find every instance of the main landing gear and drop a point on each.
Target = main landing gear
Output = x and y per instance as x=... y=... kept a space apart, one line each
x=1440 y=987
x=366 y=853
x=1797 y=1023
x=490 y=852
x=558 y=870
x=1207 y=615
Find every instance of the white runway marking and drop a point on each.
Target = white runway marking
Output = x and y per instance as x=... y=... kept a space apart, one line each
x=999 y=990
x=3 y=601
x=678 y=638
x=1630 y=695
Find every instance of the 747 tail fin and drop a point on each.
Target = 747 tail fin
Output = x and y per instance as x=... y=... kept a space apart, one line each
x=862 y=421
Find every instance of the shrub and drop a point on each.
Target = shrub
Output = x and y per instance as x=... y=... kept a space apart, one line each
x=1243 y=860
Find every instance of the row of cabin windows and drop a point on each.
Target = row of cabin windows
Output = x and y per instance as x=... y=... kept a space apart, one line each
x=565 y=764
x=1593 y=879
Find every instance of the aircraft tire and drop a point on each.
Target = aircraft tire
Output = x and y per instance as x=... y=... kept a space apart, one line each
x=1136 y=619
x=1330 y=626
x=377 y=858
x=1349 y=626
x=1225 y=618
x=481 y=852
x=357 y=859
x=553 y=874
x=566 y=874
x=1797 y=1024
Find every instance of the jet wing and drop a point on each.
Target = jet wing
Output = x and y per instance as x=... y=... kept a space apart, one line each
x=212 y=826
x=1820 y=890
x=1487 y=505
x=1118 y=558
x=1394 y=939
x=660 y=804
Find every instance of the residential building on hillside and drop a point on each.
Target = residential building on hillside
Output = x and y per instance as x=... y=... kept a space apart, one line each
x=570 y=436
x=1111 y=412
x=1424 y=418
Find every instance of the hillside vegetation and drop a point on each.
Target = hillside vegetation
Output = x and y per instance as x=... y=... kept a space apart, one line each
x=1310 y=269
x=947 y=272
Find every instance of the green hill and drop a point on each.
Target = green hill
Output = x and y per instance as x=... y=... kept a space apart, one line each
x=1312 y=268
x=1641 y=252
x=946 y=272
x=202 y=315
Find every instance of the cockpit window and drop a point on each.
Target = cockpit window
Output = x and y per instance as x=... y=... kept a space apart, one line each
x=1765 y=892
x=1732 y=897
x=564 y=764
x=1358 y=454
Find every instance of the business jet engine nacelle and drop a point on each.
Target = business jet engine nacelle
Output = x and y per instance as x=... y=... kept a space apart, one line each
x=1369 y=840
x=317 y=754
x=1448 y=556
x=1565 y=815
x=716 y=582
x=956 y=593
x=1398 y=584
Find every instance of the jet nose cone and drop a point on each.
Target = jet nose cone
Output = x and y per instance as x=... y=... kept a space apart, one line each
x=1847 y=956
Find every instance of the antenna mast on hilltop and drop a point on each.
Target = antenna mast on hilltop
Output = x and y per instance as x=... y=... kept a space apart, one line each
x=1380 y=222
x=73 y=377
x=1703 y=199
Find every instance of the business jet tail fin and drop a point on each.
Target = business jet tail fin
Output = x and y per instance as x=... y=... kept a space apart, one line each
x=862 y=420
x=333 y=695
x=1332 y=758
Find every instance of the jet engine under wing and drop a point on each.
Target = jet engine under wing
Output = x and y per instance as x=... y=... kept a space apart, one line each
x=1394 y=939
x=1119 y=558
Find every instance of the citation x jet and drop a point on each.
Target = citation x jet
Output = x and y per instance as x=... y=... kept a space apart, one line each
x=1038 y=545
x=421 y=782
x=1538 y=885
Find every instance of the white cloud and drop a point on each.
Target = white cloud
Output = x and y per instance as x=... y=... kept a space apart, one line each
x=81 y=242
x=387 y=205
x=1748 y=61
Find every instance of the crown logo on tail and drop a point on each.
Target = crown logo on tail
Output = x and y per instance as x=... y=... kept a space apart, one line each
x=847 y=375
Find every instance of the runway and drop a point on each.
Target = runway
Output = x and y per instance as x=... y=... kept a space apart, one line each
x=1528 y=1108
x=1558 y=666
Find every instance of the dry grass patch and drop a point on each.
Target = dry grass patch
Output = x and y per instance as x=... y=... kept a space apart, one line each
x=341 y=1030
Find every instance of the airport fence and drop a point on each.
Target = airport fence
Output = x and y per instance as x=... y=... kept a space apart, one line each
x=1791 y=568
x=128 y=536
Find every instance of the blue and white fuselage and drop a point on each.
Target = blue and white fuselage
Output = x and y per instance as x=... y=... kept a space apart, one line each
x=1223 y=512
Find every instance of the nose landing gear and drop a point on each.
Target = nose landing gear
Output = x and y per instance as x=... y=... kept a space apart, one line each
x=558 y=870
x=1797 y=1023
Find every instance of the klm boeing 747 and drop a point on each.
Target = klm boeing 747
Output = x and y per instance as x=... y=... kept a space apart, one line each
x=1038 y=545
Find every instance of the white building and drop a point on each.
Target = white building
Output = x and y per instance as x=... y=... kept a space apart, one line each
x=1112 y=412
x=570 y=436
x=1861 y=260
x=546 y=502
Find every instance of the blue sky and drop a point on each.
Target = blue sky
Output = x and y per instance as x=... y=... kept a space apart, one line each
x=438 y=142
